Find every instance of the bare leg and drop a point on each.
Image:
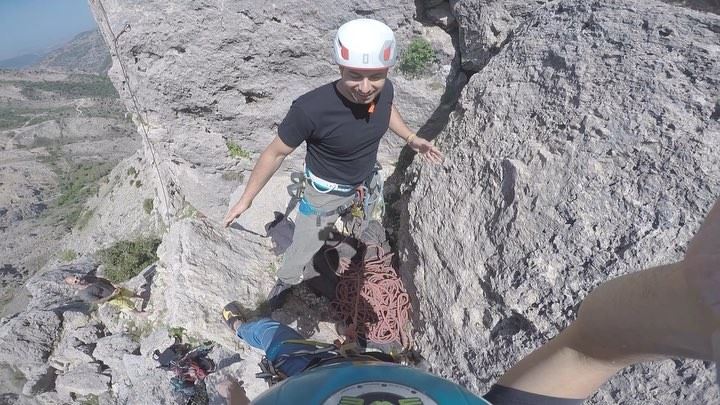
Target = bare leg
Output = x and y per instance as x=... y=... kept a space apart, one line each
x=655 y=313
x=638 y=317
x=703 y=261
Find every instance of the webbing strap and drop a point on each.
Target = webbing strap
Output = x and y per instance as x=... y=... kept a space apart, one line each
x=308 y=342
x=324 y=186
x=362 y=196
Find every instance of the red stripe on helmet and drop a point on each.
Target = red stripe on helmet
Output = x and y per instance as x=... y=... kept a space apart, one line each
x=386 y=53
x=344 y=52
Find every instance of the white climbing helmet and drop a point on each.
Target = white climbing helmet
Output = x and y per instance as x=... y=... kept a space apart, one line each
x=365 y=44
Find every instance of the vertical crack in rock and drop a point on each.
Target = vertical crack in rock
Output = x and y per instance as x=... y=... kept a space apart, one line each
x=509 y=175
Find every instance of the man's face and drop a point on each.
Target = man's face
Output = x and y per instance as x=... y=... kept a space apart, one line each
x=362 y=86
x=73 y=280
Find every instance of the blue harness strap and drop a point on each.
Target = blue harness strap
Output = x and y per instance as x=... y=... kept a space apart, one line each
x=363 y=193
x=323 y=186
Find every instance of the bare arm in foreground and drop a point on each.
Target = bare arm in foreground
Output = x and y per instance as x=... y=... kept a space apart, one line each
x=666 y=311
x=268 y=163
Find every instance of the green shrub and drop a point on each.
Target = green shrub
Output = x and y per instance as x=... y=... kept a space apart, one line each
x=12 y=117
x=139 y=329
x=233 y=176
x=79 y=86
x=187 y=211
x=68 y=255
x=90 y=399
x=176 y=332
x=30 y=93
x=236 y=150
x=80 y=182
x=417 y=57
x=126 y=259
x=148 y=205
x=77 y=184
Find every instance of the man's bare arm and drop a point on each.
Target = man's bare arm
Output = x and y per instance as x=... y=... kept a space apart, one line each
x=420 y=145
x=268 y=163
x=398 y=125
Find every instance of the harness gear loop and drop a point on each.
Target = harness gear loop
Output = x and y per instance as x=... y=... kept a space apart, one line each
x=365 y=195
x=296 y=189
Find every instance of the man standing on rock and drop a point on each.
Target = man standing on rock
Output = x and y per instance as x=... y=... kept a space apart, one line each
x=341 y=124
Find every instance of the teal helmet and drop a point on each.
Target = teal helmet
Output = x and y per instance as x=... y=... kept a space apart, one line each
x=367 y=383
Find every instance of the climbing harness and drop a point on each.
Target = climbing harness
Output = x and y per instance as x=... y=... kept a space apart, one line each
x=271 y=369
x=324 y=186
x=272 y=374
x=190 y=367
x=365 y=196
x=385 y=311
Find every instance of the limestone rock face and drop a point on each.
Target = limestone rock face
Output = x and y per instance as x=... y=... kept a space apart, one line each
x=485 y=26
x=202 y=269
x=586 y=148
x=27 y=339
x=141 y=370
x=47 y=288
x=82 y=380
x=110 y=350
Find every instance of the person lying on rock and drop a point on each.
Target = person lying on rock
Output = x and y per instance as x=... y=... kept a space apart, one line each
x=318 y=373
x=97 y=290
x=341 y=124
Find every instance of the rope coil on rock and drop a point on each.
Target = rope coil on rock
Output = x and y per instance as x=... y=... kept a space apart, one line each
x=373 y=296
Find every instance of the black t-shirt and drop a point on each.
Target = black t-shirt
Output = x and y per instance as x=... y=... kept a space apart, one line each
x=342 y=137
x=97 y=289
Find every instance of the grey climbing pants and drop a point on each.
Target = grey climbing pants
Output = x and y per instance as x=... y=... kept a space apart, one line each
x=309 y=237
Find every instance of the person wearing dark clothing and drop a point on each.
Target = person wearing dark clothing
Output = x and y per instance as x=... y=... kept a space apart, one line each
x=97 y=290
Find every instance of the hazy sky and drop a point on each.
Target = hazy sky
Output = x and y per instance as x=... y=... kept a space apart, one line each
x=35 y=26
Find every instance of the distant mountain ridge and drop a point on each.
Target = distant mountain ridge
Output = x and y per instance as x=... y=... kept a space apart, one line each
x=20 y=62
x=86 y=53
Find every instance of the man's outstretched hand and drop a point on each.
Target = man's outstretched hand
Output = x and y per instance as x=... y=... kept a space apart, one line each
x=235 y=212
x=426 y=149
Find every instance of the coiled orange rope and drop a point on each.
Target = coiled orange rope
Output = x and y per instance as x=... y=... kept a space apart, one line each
x=373 y=296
